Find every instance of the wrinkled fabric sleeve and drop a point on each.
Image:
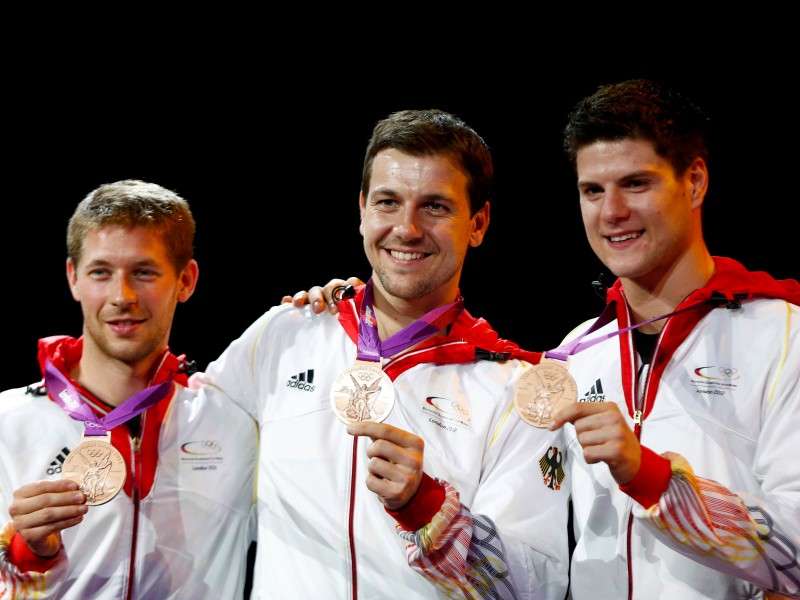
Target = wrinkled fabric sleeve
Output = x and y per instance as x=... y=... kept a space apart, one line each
x=19 y=584
x=703 y=520
x=461 y=553
x=514 y=545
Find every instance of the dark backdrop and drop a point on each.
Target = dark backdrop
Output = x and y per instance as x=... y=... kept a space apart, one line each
x=270 y=160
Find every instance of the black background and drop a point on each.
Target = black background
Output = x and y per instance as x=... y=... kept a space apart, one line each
x=267 y=146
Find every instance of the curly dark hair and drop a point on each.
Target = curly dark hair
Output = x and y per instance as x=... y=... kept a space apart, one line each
x=640 y=109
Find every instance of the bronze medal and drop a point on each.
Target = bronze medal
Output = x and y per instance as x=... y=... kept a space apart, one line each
x=362 y=393
x=97 y=467
x=541 y=390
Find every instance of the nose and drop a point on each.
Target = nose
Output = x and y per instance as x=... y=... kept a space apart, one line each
x=615 y=207
x=407 y=228
x=125 y=294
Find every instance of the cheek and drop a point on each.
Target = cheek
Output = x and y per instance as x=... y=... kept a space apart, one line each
x=589 y=213
x=87 y=295
x=374 y=228
x=365 y=230
x=168 y=296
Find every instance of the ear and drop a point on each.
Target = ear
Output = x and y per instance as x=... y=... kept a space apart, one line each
x=188 y=280
x=480 y=223
x=72 y=280
x=697 y=176
x=361 y=204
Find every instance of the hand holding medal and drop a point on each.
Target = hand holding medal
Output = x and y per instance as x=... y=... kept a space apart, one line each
x=97 y=467
x=362 y=393
x=95 y=464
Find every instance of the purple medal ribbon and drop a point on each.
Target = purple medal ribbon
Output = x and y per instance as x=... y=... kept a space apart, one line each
x=565 y=351
x=63 y=392
x=371 y=348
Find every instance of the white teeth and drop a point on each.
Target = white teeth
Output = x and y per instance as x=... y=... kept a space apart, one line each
x=622 y=238
x=406 y=255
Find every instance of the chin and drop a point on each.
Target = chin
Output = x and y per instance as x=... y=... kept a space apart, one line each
x=129 y=353
x=403 y=293
x=629 y=272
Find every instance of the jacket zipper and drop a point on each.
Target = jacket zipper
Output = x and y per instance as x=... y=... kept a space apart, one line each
x=135 y=485
x=638 y=418
x=351 y=511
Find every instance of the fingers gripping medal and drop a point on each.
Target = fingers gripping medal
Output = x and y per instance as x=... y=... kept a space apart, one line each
x=542 y=390
x=362 y=393
x=97 y=467
x=95 y=464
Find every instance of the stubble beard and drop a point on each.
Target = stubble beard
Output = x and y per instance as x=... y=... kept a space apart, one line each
x=411 y=288
x=126 y=350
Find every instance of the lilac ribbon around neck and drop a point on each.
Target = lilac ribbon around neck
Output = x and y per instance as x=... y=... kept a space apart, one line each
x=370 y=346
x=65 y=394
x=564 y=351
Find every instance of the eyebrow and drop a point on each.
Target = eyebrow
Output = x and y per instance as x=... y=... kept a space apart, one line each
x=639 y=174
x=102 y=262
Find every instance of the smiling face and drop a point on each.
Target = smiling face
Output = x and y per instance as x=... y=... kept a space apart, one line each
x=641 y=218
x=128 y=290
x=417 y=226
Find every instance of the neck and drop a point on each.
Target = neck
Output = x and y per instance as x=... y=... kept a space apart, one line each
x=660 y=294
x=111 y=380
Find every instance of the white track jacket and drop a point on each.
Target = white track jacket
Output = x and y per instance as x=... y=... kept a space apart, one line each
x=714 y=511
x=499 y=510
x=181 y=527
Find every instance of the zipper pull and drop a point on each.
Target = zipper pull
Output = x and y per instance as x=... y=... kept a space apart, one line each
x=637 y=417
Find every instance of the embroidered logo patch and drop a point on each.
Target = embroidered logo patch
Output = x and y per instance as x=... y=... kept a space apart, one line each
x=714 y=380
x=550 y=466
x=595 y=393
x=55 y=466
x=447 y=414
x=302 y=381
x=201 y=455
